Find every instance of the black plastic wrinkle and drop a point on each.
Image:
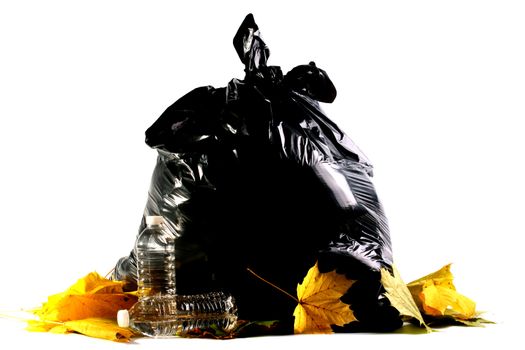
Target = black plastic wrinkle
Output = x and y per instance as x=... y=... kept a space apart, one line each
x=255 y=175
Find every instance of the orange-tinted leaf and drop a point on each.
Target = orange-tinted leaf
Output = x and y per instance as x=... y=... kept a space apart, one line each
x=75 y=307
x=89 y=307
x=93 y=283
x=90 y=296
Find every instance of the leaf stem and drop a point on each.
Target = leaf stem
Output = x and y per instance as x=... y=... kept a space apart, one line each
x=5 y=314
x=271 y=284
x=108 y=275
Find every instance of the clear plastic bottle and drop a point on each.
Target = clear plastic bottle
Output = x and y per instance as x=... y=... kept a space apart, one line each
x=159 y=311
x=155 y=250
x=177 y=315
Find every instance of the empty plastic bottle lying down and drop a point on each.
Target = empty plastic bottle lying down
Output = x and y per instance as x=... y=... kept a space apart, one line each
x=254 y=175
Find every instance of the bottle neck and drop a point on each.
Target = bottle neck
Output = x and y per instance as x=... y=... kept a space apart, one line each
x=154 y=226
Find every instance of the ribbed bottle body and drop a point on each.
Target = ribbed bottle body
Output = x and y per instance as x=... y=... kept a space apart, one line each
x=170 y=316
x=155 y=250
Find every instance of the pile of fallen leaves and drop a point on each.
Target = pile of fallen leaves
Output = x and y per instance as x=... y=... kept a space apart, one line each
x=90 y=306
x=431 y=300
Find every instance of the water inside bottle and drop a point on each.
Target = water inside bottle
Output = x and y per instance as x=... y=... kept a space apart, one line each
x=155 y=270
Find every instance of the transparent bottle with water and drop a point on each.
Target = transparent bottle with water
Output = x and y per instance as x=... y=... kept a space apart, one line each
x=160 y=312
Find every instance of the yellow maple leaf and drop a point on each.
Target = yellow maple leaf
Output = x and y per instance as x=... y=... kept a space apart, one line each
x=93 y=327
x=319 y=304
x=91 y=296
x=436 y=295
x=93 y=283
x=89 y=307
x=66 y=307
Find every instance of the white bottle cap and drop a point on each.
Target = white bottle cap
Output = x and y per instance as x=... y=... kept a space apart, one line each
x=123 y=318
x=154 y=220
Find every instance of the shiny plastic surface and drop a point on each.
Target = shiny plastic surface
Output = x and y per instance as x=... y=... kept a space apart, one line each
x=155 y=251
x=255 y=175
x=177 y=315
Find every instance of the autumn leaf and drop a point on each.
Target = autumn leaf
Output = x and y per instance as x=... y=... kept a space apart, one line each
x=319 y=305
x=90 y=296
x=92 y=327
x=319 y=302
x=437 y=296
x=89 y=307
x=65 y=307
x=400 y=297
x=93 y=283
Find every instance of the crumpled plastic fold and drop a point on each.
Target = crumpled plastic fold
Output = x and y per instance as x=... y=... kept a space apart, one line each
x=255 y=175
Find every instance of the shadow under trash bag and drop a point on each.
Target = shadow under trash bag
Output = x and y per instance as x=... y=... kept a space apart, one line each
x=254 y=175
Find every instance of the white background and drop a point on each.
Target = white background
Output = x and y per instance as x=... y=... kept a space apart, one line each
x=432 y=91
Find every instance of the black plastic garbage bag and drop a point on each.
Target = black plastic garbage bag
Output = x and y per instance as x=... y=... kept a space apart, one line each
x=254 y=175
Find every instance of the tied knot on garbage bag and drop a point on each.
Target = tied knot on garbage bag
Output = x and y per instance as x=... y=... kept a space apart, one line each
x=254 y=53
x=255 y=175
